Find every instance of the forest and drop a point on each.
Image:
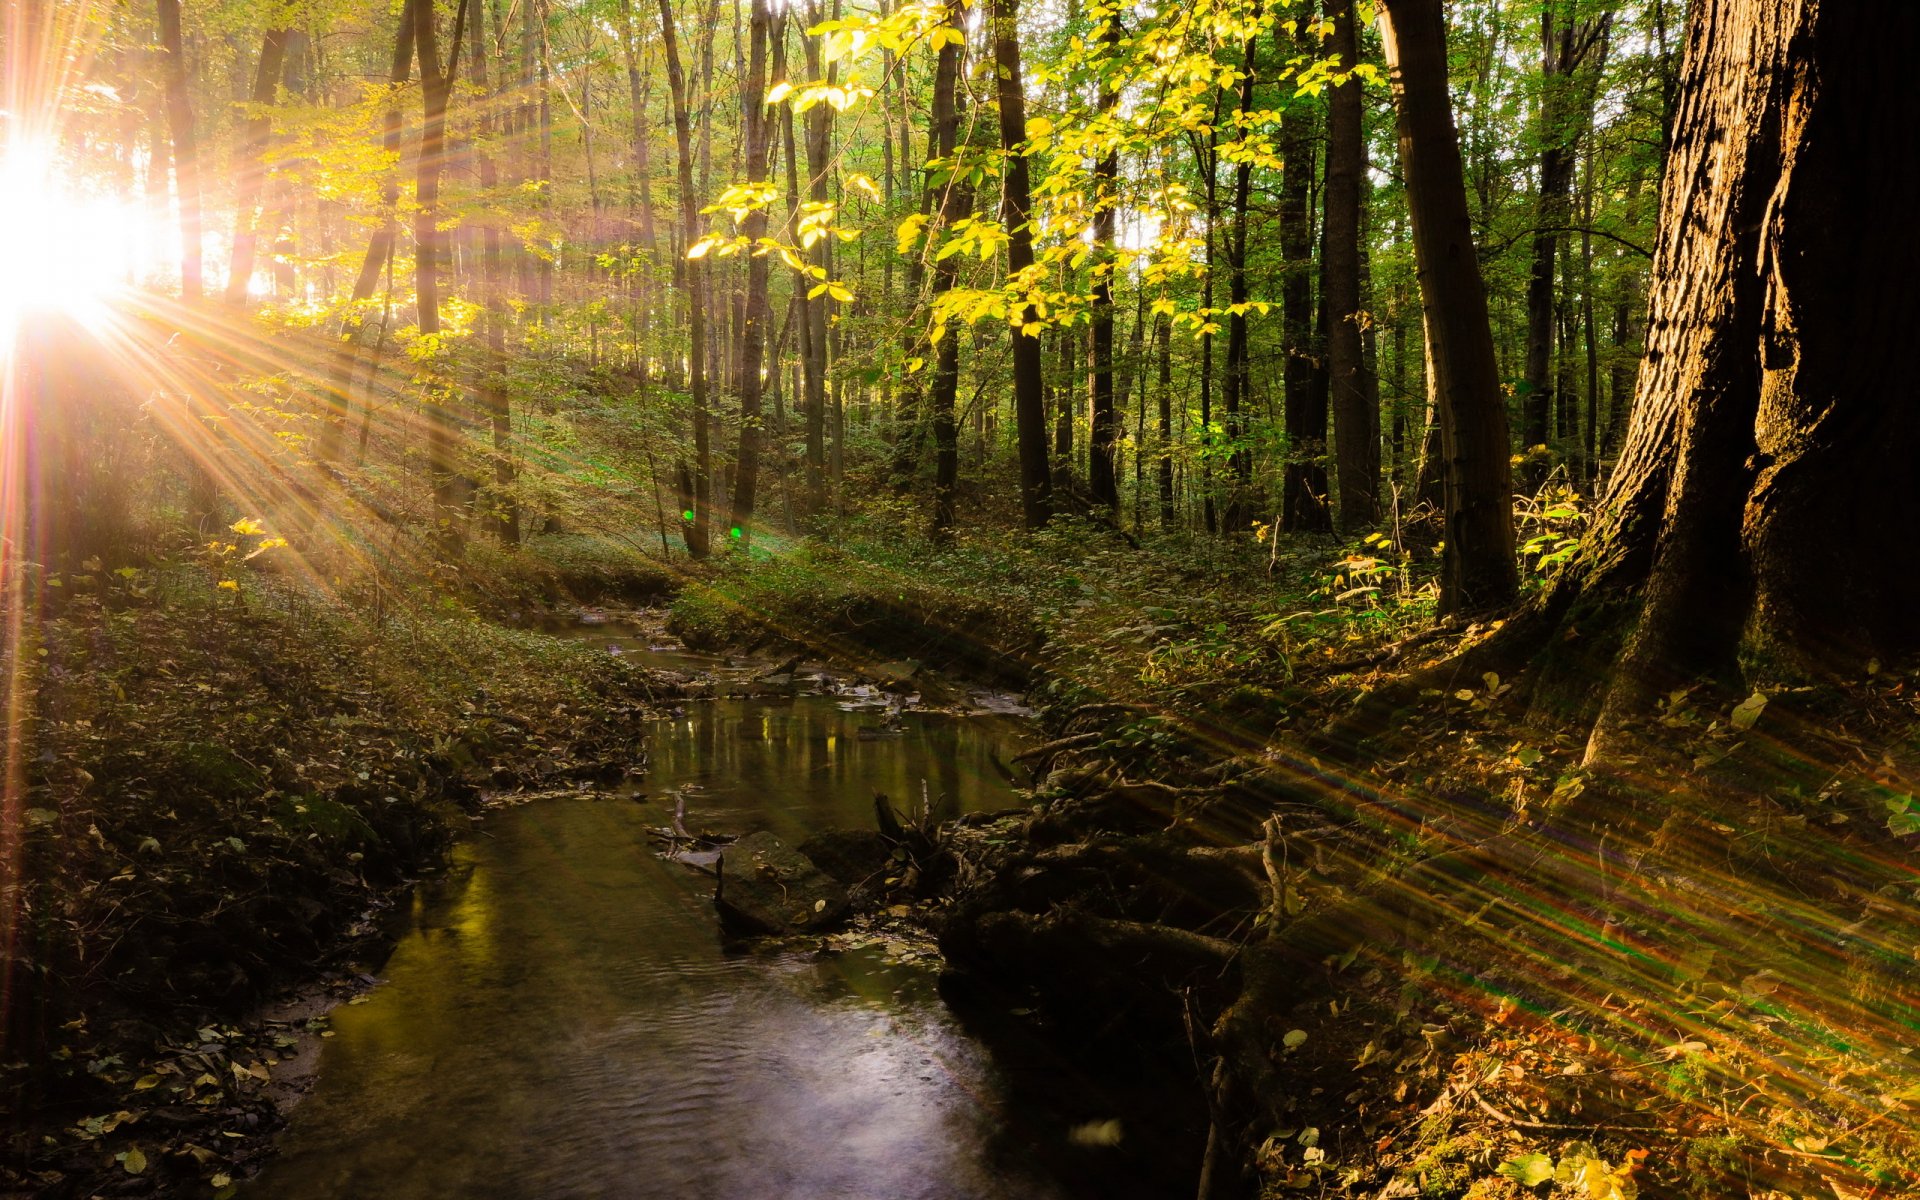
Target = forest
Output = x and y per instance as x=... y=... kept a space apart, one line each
x=948 y=598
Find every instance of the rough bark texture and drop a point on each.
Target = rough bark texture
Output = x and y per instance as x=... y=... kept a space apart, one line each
x=1779 y=298
x=1480 y=572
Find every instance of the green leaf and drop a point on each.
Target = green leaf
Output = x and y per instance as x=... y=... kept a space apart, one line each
x=1294 y=1039
x=133 y=1160
x=1748 y=711
x=1528 y=1170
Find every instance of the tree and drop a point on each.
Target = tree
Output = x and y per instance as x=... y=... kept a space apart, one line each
x=253 y=165
x=1781 y=300
x=186 y=148
x=1480 y=572
x=1016 y=203
x=697 y=484
x=759 y=127
x=1354 y=430
x=1304 y=489
x=1566 y=45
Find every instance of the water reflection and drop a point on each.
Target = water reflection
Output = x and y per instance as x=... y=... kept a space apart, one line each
x=560 y=1021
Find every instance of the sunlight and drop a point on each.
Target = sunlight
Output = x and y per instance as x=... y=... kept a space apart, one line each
x=62 y=248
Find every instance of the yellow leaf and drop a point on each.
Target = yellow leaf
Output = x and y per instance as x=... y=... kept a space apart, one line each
x=779 y=91
x=699 y=249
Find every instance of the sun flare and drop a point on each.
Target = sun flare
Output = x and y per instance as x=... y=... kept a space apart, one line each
x=64 y=246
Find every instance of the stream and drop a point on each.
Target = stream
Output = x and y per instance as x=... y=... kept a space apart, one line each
x=559 y=1017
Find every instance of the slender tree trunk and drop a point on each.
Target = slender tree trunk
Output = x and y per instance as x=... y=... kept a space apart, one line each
x=186 y=154
x=1237 y=394
x=346 y=354
x=956 y=202
x=1103 y=437
x=1016 y=202
x=1479 y=571
x=1162 y=335
x=494 y=398
x=753 y=330
x=1566 y=44
x=1304 y=487
x=819 y=134
x=696 y=485
x=436 y=85
x=1354 y=431
x=251 y=169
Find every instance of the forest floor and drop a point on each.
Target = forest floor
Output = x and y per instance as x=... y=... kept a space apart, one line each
x=1419 y=984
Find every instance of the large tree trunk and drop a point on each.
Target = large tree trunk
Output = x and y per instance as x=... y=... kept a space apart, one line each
x=1355 y=434
x=1479 y=570
x=1781 y=301
x=1029 y=387
x=753 y=317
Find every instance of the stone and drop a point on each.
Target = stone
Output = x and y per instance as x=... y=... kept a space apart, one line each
x=768 y=887
x=850 y=856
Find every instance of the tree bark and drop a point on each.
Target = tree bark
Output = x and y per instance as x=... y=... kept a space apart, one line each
x=1354 y=433
x=697 y=490
x=251 y=170
x=1103 y=437
x=1237 y=514
x=346 y=353
x=1016 y=202
x=186 y=154
x=956 y=201
x=753 y=330
x=1479 y=571
x=1304 y=488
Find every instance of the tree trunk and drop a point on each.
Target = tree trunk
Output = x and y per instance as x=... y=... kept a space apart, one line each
x=819 y=135
x=956 y=202
x=1565 y=45
x=697 y=491
x=493 y=395
x=1162 y=337
x=1029 y=387
x=251 y=170
x=346 y=353
x=1354 y=433
x=186 y=155
x=1103 y=436
x=1781 y=302
x=1237 y=515
x=753 y=329
x=1304 y=490
x=1479 y=570
x=436 y=85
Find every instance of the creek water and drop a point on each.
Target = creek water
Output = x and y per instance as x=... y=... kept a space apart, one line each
x=559 y=1017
